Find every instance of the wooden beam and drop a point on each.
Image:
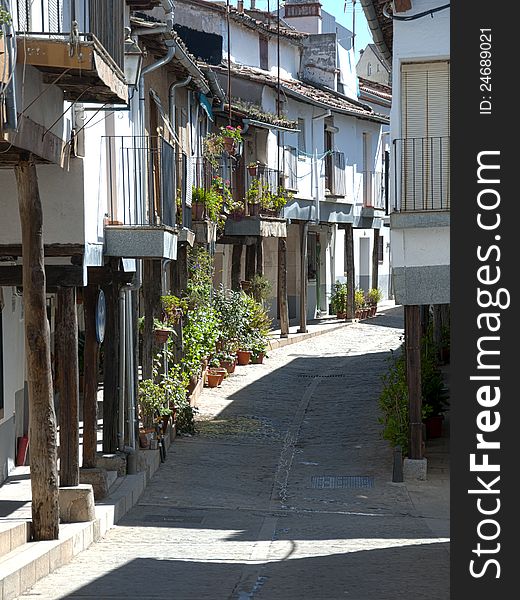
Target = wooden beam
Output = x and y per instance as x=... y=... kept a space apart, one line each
x=349 y=269
x=283 y=308
x=242 y=240
x=236 y=267
x=375 y=260
x=304 y=228
x=42 y=420
x=55 y=276
x=107 y=276
x=111 y=370
x=68 y=382
x=412 y=316
x=250 y=262
x=48 y=249
x=90 y=377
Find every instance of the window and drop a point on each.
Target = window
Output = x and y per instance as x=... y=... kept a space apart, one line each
x=378 y=69
x=369 y=69
x=380 y=249
x=302 y=148
x=264 y=52
x=425 y=129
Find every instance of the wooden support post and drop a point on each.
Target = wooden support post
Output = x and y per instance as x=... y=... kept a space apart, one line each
x=90 y=377
x=413 y=377
x=68 y=385
x=349 y=269
x=304 y=228
x=283 y=308
x=250 y=261
x=260 y=256
x=236 y=267
x=152 y=291
x=111 y=370
x=437 y=328
x=42 y=420
x=375 y=260
x=425 y=318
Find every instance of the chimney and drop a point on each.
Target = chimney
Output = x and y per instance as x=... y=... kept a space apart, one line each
x=304 y=15
x=240 y=6
x=253 y=4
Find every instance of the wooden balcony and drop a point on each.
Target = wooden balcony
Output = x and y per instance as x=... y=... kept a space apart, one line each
x=83 y=70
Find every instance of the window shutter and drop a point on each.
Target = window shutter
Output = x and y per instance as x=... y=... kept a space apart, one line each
x=425 y=129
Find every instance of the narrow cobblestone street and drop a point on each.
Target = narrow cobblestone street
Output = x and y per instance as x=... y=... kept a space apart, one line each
x=284 y=494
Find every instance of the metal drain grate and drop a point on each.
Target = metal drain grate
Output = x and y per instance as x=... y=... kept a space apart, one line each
x=341 y=482
x=311 y=376
x=172 y=519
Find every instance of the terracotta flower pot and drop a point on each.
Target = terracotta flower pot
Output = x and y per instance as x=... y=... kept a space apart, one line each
x=161 y=335
x=258 y=360
x=222 y=372
x=229 y=145
x=243 y=356
x=229 y=366
x=341 y=315
x=252 y=171
x=214 y=379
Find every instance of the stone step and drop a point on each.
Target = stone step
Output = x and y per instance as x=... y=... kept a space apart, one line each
x=13 y=534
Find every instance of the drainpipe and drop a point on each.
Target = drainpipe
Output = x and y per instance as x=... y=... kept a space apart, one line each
x=324 y=115
x=11 y=117
x=171 y=97
x=126 y=366
x=122 y=365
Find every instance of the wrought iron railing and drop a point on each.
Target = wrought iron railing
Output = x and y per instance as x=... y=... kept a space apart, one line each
x=335 y=182
x=104 y=19
x=421 y=173
x=146 y=181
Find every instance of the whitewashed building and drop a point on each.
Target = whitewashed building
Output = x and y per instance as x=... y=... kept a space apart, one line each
x=331 y=154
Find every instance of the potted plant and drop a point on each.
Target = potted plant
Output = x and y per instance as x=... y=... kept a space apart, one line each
x=214 y=378
x=260 y=288
x=359 y=303
x=252 y=168
x=161 y=331
x=374 y=296
x=253 y=196
x=338 y=299
x=227 y=361
x=231 y=137
x=434 y=393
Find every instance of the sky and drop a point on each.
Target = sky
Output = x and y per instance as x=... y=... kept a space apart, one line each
x=336 y=8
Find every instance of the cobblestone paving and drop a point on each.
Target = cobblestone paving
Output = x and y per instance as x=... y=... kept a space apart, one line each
x=236 y=513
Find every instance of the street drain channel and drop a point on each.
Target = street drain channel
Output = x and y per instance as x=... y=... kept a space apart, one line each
x=341 y=482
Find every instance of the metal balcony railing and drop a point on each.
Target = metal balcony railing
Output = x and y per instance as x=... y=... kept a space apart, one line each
x=145 y=181
x=335 y=183
x=103 y=19
x=373 y=189
x=422 y=173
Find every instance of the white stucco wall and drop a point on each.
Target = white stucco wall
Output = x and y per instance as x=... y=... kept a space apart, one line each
x=420 y=247
x=14 y=356
x=424 y=39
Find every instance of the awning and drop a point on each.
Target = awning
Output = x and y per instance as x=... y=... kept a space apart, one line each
x=206 y=105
